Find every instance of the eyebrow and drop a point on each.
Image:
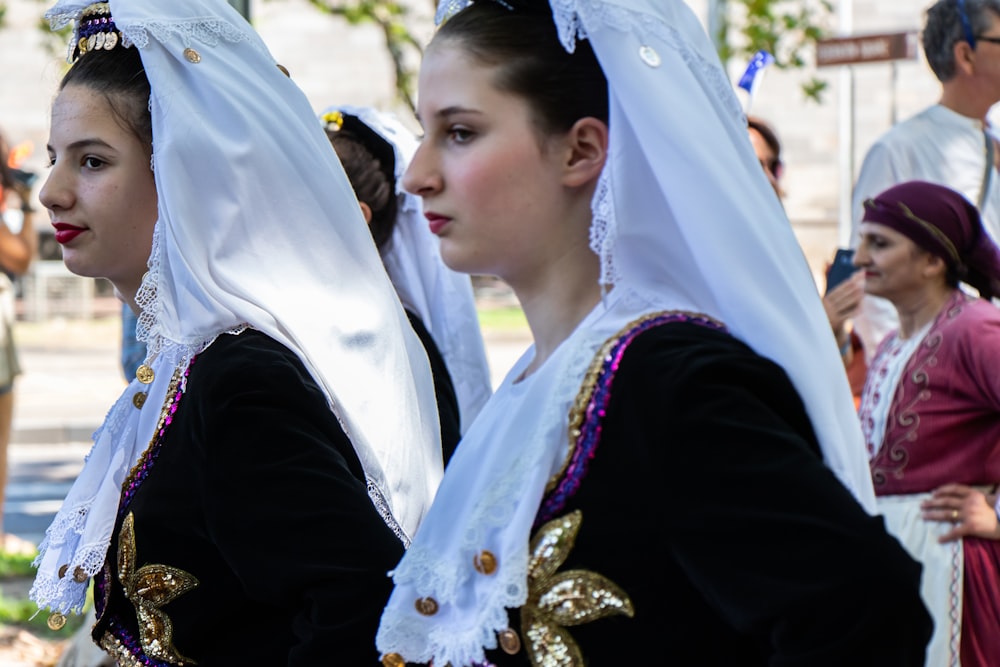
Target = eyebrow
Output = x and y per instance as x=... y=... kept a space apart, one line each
x=451 y=111
x=83 y=143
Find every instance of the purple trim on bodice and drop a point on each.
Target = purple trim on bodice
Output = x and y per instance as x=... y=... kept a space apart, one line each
x=104 y=580
x=131 y=643
x=585 y=446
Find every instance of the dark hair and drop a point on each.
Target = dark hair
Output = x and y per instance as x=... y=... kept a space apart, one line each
x=523 y=44
x=6 y=175
x=944 y=28
x=119 y=76
x=769 y=137
x=370 y=164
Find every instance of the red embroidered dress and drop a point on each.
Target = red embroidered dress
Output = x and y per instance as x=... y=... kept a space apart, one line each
x=943 y=426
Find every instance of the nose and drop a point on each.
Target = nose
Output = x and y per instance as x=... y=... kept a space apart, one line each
x=422 y=178
x=55 y=193
x=861 y=256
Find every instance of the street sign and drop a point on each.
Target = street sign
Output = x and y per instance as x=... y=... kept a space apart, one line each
x=866 y=49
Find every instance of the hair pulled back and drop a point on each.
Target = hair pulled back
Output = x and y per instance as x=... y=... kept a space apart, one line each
x=522 y=43
x=119 y=76
x=369 y=162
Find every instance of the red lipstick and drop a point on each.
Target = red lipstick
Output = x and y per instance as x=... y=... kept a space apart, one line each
x=66 y=232
x=436 y=222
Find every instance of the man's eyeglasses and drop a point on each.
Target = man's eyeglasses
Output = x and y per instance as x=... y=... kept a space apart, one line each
x=970 y=37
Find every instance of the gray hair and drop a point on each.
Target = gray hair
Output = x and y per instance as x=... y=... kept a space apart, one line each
x=944 y=29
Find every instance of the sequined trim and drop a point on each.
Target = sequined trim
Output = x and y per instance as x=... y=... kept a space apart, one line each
x=586 y=417
x=124 y=648
x=139 y=472
x=117 y=640
x=557 y=600
x=149 y=588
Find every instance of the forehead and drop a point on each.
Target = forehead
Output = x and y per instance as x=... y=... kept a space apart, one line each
x=79 y=110
x=760 y=145
x=878 y=229
x=451 y=76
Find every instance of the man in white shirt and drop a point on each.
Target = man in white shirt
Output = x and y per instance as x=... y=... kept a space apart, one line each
x=946 y=143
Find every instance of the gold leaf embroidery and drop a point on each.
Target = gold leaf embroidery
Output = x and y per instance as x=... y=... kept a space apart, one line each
x=560 y=599
x=148 y=589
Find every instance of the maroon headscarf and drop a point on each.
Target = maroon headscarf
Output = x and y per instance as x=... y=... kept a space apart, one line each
x=944 y=223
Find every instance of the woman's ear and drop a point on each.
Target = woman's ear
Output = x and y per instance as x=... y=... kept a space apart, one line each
x=935 y=267
x=587 y=144
x=366 y=211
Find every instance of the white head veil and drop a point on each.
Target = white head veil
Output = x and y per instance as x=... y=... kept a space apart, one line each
x=440 y=297
x=682 y=212
x=258 y=227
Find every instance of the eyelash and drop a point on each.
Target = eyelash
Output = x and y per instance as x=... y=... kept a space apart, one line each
x=460 y=135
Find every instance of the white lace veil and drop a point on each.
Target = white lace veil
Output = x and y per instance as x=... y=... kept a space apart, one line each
x=440 y=297
x=258 y=226
x=683 y=217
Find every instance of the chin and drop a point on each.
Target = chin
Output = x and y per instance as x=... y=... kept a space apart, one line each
x=458 y=261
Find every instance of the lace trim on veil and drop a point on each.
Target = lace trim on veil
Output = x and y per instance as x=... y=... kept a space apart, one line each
x=428 y=573
x=570 y=17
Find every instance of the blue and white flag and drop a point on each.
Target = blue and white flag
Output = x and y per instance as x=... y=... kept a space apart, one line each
x=753 y=75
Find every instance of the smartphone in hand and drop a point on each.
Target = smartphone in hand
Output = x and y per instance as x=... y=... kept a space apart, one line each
x=841 y=269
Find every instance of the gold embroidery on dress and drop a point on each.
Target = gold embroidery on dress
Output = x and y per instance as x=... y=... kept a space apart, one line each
x=557 y=600
x=149 y=588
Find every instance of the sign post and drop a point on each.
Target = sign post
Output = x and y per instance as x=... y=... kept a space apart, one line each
x=846 y=52
x=866 y=49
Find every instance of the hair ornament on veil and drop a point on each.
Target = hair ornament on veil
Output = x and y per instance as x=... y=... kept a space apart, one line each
x=333 y=120
x=95 y=30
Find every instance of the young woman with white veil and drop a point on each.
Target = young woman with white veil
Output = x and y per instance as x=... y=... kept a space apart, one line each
x=375 y=148
x=249 y=490
x=673 y=473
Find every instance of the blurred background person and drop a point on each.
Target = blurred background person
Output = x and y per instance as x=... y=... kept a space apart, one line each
x=946 y=143
x=931 y=407
x=17 y=249
x=842 y=301
x=375 y=150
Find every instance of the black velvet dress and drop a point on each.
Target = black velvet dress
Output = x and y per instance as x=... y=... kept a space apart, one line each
x=444 y=389
x=707 y=503
x=246 y=536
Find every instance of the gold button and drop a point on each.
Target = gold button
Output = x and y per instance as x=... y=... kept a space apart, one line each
x=62 y=570
x=192 y=55
x=139 y=399
x=485 y=562
x=393 y=660
x=144 y=374
x=510 y=642
x=427 y=606
x=649 y=56
x=79 y=575
x=56 y=621
x=82 y=45
x=284 y=70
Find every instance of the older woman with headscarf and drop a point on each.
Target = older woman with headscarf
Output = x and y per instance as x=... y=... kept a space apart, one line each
x=931 y=406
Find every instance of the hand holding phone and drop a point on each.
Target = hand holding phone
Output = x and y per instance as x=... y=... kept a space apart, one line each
x=841 y=269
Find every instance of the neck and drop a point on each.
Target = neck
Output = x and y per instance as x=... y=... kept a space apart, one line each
x=964 y=99
x=127 y=296
x=556 y=301
x=917 y=312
